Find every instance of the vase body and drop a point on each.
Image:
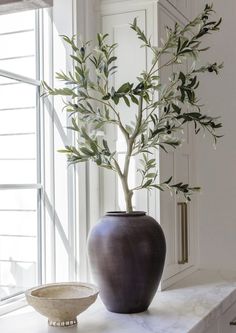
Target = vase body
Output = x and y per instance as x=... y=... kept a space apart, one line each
x=127 y=255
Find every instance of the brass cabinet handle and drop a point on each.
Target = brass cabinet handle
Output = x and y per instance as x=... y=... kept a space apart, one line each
x=183 y=232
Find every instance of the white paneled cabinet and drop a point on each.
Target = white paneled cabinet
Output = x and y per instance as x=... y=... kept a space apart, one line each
x=180 y=164
x=153 y=17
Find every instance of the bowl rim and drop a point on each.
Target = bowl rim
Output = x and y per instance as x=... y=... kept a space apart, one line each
x=55 y=284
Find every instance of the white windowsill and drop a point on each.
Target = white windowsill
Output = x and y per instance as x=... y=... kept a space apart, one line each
x=190 y=305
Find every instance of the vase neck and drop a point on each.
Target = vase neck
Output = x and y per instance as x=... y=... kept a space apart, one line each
x=124 y=213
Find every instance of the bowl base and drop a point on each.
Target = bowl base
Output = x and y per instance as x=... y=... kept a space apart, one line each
x=66 y=323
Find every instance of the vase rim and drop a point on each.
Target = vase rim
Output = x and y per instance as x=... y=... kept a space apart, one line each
x=124 y=213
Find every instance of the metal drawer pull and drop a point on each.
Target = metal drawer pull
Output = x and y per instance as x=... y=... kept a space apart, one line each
x=233 y=322
x=183 y=232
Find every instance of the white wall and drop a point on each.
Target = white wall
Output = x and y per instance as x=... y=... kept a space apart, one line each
x=217 y=168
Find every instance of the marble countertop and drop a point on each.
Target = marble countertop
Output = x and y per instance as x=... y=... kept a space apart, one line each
x=189 y=306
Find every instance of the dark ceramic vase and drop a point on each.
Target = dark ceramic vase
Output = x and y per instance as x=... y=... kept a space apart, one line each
x=127 y=255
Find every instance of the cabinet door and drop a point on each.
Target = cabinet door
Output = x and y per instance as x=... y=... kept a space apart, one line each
x=228 y=320
x=180 y=165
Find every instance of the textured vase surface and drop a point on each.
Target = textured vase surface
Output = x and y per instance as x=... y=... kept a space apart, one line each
x=127 y=254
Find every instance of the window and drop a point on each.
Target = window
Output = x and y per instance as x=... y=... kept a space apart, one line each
x=20 y=157
x=40 y=237
x=37 y=188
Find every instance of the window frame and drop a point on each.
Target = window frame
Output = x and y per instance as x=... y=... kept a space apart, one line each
x=83 y=209
x=17 y=300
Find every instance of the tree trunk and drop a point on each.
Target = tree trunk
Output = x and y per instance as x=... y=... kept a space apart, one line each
x=128 y=202
x=128 y=195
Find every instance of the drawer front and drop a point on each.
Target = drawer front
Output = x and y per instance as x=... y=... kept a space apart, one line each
x=228 y=320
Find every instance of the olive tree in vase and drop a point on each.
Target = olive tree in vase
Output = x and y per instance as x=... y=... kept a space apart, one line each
x=127 y=249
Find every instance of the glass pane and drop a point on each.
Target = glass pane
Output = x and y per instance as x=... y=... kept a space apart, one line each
x=7 y=291
x=18 y=241
x=18 y=208
x=17 y=121
x=16 y=277
x=18 y=146
x=18 y=223
x=17 y=21
x=17 y=44
x=22 y=66
x=18 y=200
x=17 y=95
x=18 y=172
x=17 y=248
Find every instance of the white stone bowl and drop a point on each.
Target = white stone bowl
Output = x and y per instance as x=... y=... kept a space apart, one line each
x=61 y=303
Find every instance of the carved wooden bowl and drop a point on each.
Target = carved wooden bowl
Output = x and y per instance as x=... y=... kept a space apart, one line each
x=61 y=303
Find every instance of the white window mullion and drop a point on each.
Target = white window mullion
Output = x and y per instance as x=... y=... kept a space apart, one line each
x=20 y=186
x=39 y=149
x=49 y=265
x=19 y=78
